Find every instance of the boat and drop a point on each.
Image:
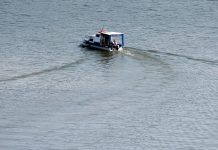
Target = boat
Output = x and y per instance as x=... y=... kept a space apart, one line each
x=104 y=40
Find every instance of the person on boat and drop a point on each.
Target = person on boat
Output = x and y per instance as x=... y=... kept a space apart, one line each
x=114 y=42
x=115 y=45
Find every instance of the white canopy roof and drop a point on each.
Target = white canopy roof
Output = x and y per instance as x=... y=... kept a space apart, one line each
x=112 y=33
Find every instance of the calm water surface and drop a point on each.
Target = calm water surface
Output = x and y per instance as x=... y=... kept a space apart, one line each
x=159 y=93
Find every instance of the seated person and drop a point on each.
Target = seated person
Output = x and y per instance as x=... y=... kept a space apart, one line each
x=114 y=43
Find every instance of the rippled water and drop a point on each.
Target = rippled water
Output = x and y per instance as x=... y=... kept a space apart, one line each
x=159 y=93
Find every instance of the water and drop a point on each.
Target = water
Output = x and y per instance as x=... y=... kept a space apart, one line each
x=159 y=93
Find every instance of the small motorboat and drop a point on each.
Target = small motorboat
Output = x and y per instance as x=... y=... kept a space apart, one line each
x=104 y=40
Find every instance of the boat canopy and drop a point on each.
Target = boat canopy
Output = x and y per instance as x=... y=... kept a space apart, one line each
x=114 y=34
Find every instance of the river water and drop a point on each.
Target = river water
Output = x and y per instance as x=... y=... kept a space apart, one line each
x=159 y=93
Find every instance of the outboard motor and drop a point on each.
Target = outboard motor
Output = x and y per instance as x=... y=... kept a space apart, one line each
x=117 y=47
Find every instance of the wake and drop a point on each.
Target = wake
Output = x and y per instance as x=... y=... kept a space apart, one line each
x=55 y=68
x=202 y=60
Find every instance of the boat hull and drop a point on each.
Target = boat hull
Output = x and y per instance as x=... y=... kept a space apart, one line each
x=98 y=47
